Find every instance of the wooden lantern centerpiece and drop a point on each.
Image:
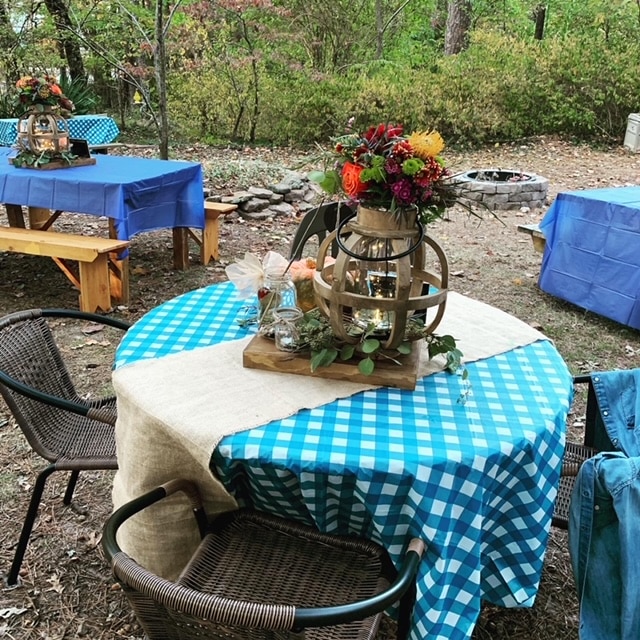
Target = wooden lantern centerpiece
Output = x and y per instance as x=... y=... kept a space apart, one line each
x=380 y=278
x=43 y=130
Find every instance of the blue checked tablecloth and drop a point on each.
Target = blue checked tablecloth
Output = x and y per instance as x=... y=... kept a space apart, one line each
x=95 y=129
x=476 y=481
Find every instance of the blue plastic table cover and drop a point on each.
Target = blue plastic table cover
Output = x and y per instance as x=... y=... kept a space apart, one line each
x=140 y=194
x=95 y=129
x=476 y=481
x=592 y=256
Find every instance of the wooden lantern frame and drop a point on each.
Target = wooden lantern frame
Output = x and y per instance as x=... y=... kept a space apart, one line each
x=43 y=131
x=332 y=282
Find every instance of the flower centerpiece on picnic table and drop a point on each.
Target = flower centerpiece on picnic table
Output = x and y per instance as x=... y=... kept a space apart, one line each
x=40 y=93
x=43 y=138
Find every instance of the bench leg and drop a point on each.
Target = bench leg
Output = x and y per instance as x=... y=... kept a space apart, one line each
x=118 y=272
x=210 y=236
x=94 y=285
x=38 y=217
x=119 y=279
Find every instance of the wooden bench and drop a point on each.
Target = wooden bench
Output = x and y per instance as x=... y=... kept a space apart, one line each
x=539 y=241
x=104 y=148
x=210 y=236
x=91 y=253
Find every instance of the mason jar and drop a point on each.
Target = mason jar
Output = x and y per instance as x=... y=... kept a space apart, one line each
x=287 y=333
x=277 y=291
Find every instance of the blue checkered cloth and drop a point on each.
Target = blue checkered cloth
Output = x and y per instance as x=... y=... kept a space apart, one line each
x=476 y=481
x=95 y=129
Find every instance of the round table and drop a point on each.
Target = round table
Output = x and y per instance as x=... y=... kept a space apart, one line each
x=475 y=480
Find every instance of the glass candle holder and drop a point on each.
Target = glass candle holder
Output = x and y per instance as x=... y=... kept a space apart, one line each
x=278 y=291
x=286 y=331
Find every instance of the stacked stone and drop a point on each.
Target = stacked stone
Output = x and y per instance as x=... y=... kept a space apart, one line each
x=523 y=190
x=294 y=195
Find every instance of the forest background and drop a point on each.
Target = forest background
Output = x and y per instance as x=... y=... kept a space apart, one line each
x=292 y=72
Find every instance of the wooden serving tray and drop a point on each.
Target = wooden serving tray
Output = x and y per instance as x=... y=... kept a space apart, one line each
x=261 y=353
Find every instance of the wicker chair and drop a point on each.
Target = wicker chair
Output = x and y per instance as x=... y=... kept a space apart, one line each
x=71 y=433
x=257 y=576
x=595 y=439
x=319 y=222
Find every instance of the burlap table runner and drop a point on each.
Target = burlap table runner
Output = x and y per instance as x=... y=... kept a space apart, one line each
x=173 y=411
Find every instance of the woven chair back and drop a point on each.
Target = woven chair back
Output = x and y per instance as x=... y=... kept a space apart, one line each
x=29 y=354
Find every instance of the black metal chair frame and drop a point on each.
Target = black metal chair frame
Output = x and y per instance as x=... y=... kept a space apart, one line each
x=193 y=606
x=595 y=440
x=319 y=222
x=24 y=399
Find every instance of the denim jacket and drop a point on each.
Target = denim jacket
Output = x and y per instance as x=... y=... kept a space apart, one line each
x=604 y=523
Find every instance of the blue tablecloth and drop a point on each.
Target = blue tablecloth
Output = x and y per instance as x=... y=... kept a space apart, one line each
x=476 y=481
x=95 y=129
x=592 y=253
x=140 y=194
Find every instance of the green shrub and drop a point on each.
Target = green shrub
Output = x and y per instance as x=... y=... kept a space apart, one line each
x=500 y=88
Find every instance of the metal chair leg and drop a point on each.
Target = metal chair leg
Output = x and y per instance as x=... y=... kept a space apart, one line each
x=27 y=527
x=405 y=611
x=70 y=487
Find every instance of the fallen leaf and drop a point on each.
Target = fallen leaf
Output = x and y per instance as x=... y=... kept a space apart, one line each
x=94 y=327
x=55 y=583
x=9 y=612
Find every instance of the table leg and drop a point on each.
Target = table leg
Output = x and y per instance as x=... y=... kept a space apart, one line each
x=15 y=215
x=38 y=217
x=181 y=248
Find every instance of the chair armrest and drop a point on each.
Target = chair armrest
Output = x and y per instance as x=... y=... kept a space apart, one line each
x=126 y=511
x=405 y=580
x=85 y=315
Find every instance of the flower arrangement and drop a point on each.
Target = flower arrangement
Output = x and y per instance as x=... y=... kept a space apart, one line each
x=41 y=92
x=383 y=168
x=43 y=139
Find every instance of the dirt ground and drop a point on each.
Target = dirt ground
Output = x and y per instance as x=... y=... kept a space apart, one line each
x=66 y=588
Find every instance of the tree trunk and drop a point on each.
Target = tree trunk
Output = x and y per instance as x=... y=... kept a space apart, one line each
x=8 y=41
x=69 y=44
x=379 y=29
x=458 y=24
x=539 y=15
x=160 y=59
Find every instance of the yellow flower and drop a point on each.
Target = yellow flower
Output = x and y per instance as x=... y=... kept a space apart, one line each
x=426 y=144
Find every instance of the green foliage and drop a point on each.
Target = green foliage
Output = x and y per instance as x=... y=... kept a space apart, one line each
x=7 y=109
x=295 y=73
x=81 y=94
x=35 y=160
x=316 y=335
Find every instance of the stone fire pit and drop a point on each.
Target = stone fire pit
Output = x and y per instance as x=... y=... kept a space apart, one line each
x=502 y=188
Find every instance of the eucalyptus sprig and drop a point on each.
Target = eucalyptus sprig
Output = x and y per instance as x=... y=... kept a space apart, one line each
x=27 y=158
x=318 y=337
